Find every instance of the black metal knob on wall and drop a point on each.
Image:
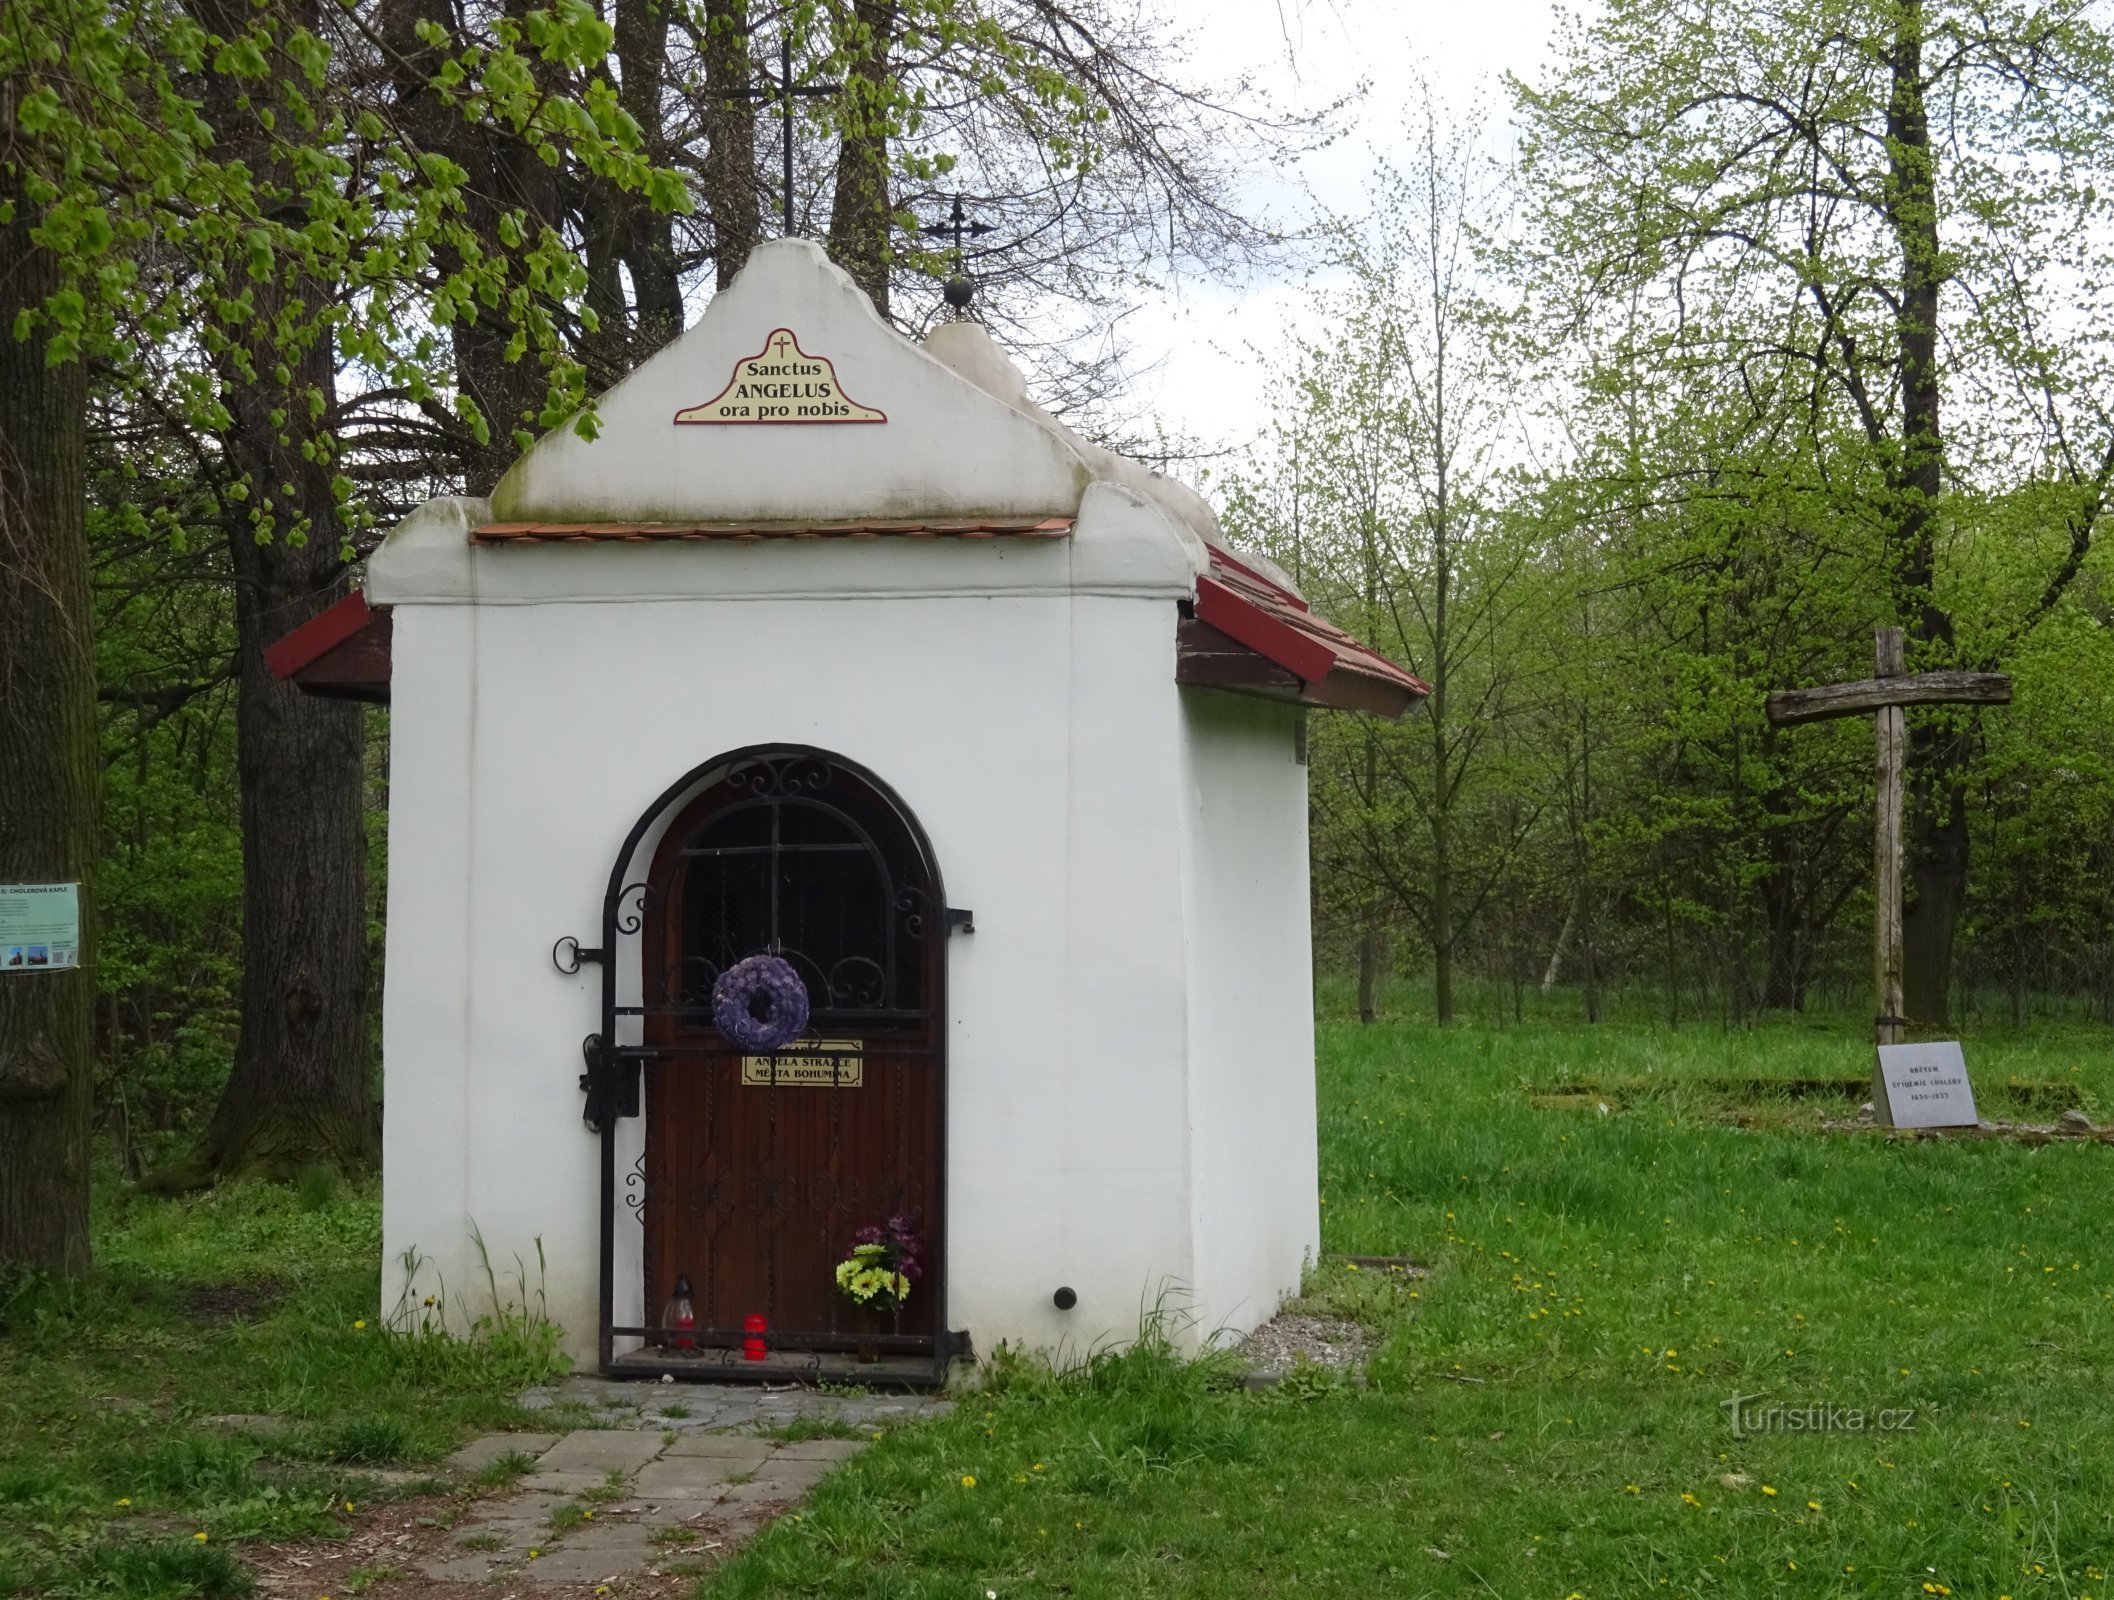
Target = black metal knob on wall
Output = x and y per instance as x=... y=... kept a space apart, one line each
x=1064 y=1299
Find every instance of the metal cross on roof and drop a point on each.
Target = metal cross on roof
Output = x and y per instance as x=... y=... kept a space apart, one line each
x=959 y=289
x=784 y=91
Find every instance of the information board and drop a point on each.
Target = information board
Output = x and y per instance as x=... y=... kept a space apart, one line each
x=40 y=927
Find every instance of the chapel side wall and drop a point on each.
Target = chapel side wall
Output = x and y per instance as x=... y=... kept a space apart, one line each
x=1251 y=1008
x=1126 y=1246
x=430 y=943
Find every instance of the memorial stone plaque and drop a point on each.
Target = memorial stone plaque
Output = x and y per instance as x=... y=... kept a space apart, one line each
x=1923 y=1086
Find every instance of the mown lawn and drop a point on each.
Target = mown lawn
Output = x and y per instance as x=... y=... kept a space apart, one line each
x=1543 y=1419
x=1544 y=1415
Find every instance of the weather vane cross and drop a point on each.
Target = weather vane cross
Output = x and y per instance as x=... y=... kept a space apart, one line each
x=959 y=289
x=784 y=90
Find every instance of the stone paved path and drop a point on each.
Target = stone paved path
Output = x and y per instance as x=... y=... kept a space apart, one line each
x=658 y=1481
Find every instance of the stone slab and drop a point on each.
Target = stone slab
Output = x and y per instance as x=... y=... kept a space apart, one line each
x=1923 y=1085
x=686 y=1477
x=472 y=1568
x=568 y=1484
x=820 y=1449
x=584 y=1560
x=727 y=1447
x=763 y=1493
x=245 y=1422
x=701 y=1515
x=481 y=1453
x=601 y=1450
x=797 y=1476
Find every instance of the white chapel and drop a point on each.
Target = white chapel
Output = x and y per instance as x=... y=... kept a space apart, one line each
x=832 y=648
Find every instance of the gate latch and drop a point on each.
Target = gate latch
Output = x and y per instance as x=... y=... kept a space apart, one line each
x=612 y=1080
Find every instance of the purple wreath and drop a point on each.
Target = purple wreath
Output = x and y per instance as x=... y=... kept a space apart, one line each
x=760 y=1004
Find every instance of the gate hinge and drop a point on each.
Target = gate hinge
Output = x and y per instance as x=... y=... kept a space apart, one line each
x=612 y=1081
x=568 y=953
x=960 y=921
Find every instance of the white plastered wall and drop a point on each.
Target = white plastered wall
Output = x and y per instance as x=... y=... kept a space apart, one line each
x=1053 y=808
x=1251 y=1007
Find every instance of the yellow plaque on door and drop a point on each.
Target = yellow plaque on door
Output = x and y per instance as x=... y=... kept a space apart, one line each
x=814 y=1064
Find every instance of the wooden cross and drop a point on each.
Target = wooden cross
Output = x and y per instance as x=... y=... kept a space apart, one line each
x=785 y=91
x=1885 y=695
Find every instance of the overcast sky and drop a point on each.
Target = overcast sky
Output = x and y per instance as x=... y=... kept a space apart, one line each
x=1203 y=379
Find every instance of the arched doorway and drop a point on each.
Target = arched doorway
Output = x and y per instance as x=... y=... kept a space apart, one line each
x=759 y=1170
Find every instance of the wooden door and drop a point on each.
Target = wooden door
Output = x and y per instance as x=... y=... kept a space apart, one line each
x=759 y=1170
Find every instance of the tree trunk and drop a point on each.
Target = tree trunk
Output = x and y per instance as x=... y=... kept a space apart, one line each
x=48 y=750
x=505 y=174
x=1783 y=910
x=730 y=138
x=649 y=237
x=1554 y=972
x=299 y=1092
x=1937 y=882
x=1938 y=754
x=861 y=219
x=1369 y=962
x=1435 y=709
x=1442 y=932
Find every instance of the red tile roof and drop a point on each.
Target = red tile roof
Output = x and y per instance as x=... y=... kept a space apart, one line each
x=323 y=632
x=345 y=649
x=851 y=528
x=1334 y=668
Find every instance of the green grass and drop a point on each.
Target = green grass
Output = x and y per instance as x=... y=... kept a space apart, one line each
x=247 y=1301
x=1544 y=1414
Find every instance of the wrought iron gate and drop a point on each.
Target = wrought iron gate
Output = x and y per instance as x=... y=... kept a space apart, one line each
x=757 y=1170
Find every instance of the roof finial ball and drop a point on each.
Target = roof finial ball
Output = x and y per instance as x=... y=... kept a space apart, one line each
x=959 y=289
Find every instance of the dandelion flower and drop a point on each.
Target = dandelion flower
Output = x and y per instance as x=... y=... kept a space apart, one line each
x=124 y=1502
x=1766 y=1489
x=1812 y=1505
x=360 y=1323
x=968 y=1481
x=200 y=1537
